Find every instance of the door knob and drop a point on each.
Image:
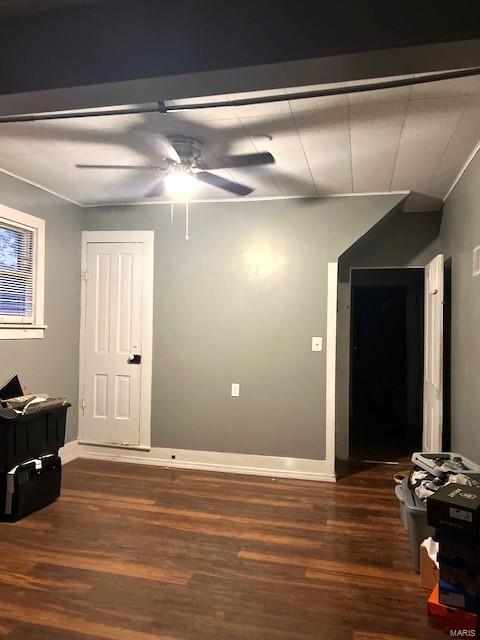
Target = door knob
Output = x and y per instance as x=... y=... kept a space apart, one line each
x=134 y=358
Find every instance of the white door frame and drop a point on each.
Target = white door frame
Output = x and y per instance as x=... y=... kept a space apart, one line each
x=147 y=239
x=331 y=367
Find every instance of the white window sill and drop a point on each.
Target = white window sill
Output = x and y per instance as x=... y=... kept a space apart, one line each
x=21 y=332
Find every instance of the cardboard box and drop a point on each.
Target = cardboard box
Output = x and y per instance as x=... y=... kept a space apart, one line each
x=465 y=576
x=457 y=549
x=428 y=567
x=453 y=596
x=455 y=508
x=449 y=619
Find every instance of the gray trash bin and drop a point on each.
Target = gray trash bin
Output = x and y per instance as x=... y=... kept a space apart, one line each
x=416 y=517
x=432 y=463
x=401 y=500
x=413 y=511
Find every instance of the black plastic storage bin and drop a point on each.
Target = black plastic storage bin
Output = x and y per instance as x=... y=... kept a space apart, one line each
x=29 y=487
x=29 y=436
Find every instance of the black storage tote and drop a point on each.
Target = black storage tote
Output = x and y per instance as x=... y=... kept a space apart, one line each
x=29 y=436
x=30 y=486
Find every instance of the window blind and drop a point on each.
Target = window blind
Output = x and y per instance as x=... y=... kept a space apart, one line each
x=17 y=274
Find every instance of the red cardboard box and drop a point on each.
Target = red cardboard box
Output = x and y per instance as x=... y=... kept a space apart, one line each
x=449 y=619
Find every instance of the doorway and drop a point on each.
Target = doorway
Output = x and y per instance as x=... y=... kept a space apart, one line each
x=116 y=338
x=386 y=363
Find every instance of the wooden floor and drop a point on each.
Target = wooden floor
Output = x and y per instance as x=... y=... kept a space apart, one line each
x=144 y=553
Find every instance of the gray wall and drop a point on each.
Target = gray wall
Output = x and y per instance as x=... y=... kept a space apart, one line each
x=219 y=319
x=459 y=234
x=50 y=364
x=400 y=239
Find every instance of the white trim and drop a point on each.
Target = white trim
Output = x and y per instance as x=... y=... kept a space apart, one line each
x=331 y=357
x=147 y=239
x=20 y=217
x=22 y=326
x=342 y=371
x=432 y=431
x=239 y=200
x=115 y=446
x=21 y=333
x=69 y=452
x=462 y=170
x=323 y=196
x=249 y=464
x=16 y=330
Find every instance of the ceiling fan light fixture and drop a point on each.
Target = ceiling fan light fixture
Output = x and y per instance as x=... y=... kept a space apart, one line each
x=180 y=183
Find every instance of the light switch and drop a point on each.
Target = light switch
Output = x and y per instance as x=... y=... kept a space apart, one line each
x=317 y=343
x=235 y=389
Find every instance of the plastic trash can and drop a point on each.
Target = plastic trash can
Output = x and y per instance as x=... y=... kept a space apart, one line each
x=417 y=526
x=401 y=500
x=432 y=463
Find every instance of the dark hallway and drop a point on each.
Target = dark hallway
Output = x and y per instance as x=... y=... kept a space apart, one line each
x=386 y=363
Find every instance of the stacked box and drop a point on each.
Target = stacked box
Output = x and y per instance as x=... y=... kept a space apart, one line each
x=458 y=549
x=454 y=512
x=451 y=620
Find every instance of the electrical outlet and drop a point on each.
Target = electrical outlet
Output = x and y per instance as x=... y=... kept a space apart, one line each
x=476 y=262
x=235 y=389
x=317 y=344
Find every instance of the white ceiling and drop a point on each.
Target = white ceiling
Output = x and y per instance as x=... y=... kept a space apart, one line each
x=409 y=138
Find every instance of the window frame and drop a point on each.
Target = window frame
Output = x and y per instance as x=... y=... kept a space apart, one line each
x=36 y=328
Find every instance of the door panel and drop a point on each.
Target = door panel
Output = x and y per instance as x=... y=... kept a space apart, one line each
x=103 y=274
x=113 y=325
x=100 y=395
x=433 y=370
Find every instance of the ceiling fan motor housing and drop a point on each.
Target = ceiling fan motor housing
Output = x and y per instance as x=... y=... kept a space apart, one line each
x=189 y=149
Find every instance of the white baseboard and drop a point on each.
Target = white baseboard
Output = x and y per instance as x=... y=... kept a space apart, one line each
x=272 y=466
x=69 y=452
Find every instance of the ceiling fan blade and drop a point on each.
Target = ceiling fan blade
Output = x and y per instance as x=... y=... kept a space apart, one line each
x=159 y=146
x=156 y=191
x=243 y=160
x=136 y=167
x=223 y=183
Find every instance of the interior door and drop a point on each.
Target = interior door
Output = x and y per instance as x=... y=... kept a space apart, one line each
x=433 y=369
x=112 y=344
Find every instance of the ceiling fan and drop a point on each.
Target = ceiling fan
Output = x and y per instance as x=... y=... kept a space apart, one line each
x=183 y=167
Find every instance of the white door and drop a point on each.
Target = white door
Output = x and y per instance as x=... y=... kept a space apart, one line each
x=112 y=343
x=433 y=367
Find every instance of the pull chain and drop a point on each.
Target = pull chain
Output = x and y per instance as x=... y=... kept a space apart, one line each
x=187 y=212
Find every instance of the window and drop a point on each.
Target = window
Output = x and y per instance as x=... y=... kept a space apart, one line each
x=16 y=274
x=22 y=239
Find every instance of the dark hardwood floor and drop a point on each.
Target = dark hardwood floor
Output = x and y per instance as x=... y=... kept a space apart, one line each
x=143 y=553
